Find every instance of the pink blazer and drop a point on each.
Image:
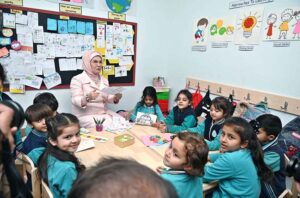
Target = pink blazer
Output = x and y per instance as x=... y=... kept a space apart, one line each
x=80 y=86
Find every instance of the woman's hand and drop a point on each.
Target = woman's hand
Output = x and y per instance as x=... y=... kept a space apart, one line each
x=92 y=95
x=117 y=98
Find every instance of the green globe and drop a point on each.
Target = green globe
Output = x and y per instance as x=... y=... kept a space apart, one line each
x=118 y=6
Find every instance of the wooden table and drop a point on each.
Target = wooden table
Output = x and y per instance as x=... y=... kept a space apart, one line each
x=149 y=156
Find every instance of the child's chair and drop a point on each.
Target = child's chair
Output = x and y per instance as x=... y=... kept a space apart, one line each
x=46 y=192
x=33 y=171
x=287 y=193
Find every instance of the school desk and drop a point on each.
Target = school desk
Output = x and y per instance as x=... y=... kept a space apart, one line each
x=149 y=156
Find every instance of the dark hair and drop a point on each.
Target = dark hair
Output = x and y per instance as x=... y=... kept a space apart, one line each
x=151 y=92
x=55 y=127
x=197 y=152
x=187 y=93
x=2 y=73
x=202 y=21
x=37 y=112
x=119 y=178
x=271 y=124
x=247 y=135
x=222 y=103
x=48 y=99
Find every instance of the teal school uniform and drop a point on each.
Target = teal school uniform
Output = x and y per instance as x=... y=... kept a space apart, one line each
x=211 y=133
x=174 y=123
x=154 y=109
x=17 y=135
x=61 y=175
x=186 y=186
x=236 y=174
x=28 y=129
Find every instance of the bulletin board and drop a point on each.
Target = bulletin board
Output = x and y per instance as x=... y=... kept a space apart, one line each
x=127 y=79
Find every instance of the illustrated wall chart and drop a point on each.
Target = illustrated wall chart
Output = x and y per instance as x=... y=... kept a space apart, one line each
x=249 y=26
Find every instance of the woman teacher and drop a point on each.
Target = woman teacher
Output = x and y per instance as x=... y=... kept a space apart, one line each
x=88 y=101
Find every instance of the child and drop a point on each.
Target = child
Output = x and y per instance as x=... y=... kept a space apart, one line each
x=44 y=98
x=35 y=116
x=268 y=127
x=4 y=97
x=210 y=128
x=58 y=165
x=48 y=99
x=186 y=158
x=181 y=116
x=240 y=166
x=148 y=104
x=113 y=177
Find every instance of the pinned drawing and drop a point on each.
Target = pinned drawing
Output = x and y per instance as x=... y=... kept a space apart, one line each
x=272 y=18
x=296 y=26
x=286 y=17
x=282 y=25
x=222 y=29
x=201 y=32
x=249 y=26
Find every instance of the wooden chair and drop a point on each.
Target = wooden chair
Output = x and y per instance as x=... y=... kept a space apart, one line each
x=35 y=179
x=287 y=193
x=46 y=192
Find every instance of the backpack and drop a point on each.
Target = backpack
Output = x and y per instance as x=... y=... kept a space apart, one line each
x=197 y=97
x=203 y=108
x=289 y=138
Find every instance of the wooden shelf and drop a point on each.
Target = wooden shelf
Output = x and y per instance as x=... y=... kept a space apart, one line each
x=277 y=102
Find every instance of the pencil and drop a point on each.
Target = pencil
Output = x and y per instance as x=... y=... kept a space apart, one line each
x=94 y=137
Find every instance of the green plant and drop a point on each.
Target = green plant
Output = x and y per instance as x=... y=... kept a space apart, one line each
x=99 y=121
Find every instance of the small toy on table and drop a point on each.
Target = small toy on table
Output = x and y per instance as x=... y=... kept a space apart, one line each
x=124 y=140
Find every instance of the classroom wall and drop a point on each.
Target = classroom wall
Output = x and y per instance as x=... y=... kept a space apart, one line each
x=268 y=69
x=165 y=30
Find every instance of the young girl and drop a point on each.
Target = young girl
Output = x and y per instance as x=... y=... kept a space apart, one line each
x=185 y=158
x=148 y=104
x=58 y=165
x=210 y=128
x=240 y=166
x=181 y=116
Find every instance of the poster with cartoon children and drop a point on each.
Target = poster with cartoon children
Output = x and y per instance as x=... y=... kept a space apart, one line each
x=201 y=31
x=222 y=29
x=283 y=24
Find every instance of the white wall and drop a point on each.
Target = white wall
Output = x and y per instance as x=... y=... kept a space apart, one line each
x=165 y=30
x=265 y=68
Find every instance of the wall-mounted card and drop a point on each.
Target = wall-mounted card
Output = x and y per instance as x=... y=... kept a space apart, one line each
x=145 y=118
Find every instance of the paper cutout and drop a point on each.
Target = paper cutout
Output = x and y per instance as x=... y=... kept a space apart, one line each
x=5 y=41
x=51 y=24
x=80 y=27
x=3 y=52
x=62 y=26
x=72 y=26
x=156 y=140
x=89 y=28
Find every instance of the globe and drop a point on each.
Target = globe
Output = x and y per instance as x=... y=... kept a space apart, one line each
x=118 y=6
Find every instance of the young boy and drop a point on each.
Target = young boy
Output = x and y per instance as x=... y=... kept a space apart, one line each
x=44 y=98
x=268 y=127
x=35 y=116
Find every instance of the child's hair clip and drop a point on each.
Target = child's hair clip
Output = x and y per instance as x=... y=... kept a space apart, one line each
x=255 y=125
